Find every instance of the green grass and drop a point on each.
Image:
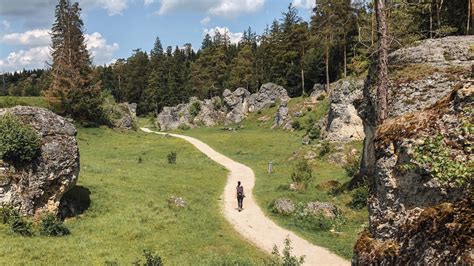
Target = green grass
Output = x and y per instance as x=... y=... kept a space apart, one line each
x=10 y=101
x=255 y=144
x=129 y=210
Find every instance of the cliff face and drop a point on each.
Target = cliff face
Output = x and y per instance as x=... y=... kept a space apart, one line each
x=419 y=162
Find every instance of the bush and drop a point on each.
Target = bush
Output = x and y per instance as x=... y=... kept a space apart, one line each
x=184 y=127
x=314 y=133
x=359 y=198
x=52 y=226
x=352 y=166
x=19 y=143
x=302 y=173
x=172 y=157
x=325 y=148
x=296 y=125
x=305 y=219
x=321 y=97
x=6 y=213
x=151 y=259
x=273 y=104
x=286 y=258
x=20 y=226
x=194 y=109
x=8 y=102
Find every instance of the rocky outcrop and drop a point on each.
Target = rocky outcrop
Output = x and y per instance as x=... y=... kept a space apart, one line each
x=282 y=118
x=39 y=186
x=325 y=208
x=232 y=108
x=343 y=122
x=318 y=93
x=419 y=161
x=128 y=116
x=284 y=206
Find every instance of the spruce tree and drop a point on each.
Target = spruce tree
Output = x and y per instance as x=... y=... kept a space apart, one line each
x=71 y=91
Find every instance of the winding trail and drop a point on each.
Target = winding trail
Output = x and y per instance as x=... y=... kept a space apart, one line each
x=252 y=223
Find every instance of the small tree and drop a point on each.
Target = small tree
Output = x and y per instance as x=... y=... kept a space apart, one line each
x=286 y=258
x=302 y=174
x=172 y=157
x=52 y=226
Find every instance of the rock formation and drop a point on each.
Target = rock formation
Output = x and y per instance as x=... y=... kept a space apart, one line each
x=420 y=212
x=343 y=123
x=231 y=109
x=39 y=186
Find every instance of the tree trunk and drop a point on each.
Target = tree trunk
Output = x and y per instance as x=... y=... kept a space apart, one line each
x=302 y=80
x=382 y=61
x=431 y=21
x=327 y=64
x=345 y=58
x=469 y=10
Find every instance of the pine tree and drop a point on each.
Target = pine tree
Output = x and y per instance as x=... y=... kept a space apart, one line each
x=71 y=91
x=242 y=72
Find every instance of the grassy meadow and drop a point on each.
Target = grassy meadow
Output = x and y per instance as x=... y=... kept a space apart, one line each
x=255 y=144
x=129 y=181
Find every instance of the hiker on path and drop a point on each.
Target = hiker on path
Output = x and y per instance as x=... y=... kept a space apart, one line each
x=240 y=195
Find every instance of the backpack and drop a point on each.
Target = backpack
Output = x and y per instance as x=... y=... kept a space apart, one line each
x=240 y=192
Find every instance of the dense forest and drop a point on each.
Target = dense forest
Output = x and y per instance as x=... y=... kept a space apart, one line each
x=339 y=40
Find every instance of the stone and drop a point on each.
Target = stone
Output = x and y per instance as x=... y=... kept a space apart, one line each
x=306 y=140
x=281 y=115
x=284 y=206
x=327 y=209
x=38 y=187
x=177 y=202
x=343 y=122
x=318 y=93
x=268 y=94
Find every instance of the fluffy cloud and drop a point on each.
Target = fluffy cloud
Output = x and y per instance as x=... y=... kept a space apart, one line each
x=39 y=53
x=37 y=37
x=113 y=7
x=35 y=57
x=308 y=4
x=100 y=50
x=225 y=8
x=205 y=21
x=234 y=37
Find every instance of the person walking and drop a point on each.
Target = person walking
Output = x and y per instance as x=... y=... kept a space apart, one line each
x=240 y=196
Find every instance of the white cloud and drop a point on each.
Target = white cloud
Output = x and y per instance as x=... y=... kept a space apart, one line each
x=234 y=37
x=308 y=4
x=100 y=50
x=148 y=2
x=35 y=57
x=32 y=38
x=6 y=25
x=39 y=53
x=205 y=21
x=113 y=7
x=224 y=8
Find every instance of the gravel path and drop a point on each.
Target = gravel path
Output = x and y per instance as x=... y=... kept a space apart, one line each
x=252 y=223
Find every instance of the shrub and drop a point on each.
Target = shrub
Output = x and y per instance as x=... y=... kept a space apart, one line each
x=321 y=97
x=359 y=198
x=194 y=109
x=172 y=157
x=140 y=159
x=325 y=148
x=352 y=166
x=302 y=173
x=20 y=226
x=314 y=133
x=286 y=258
x=6 y=212
x=52 y=226
x=306 y=219
x=184 y=127
x=19 y=143
x=273 y=104
x=152 y=259
x=296 y=125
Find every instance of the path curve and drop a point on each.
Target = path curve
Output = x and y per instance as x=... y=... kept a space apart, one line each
x=252 y=223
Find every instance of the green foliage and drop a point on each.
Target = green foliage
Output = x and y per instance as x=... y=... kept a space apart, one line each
x=6 y=213
x=325 y=148
x=19 y=225
x=296 y=125
x=194 y=109
x=151 y=259
x=8 y=102
x=359 y=197
x=286 y=258
x=434 y=156
x=302 y=173
x=19 y=143
x=172 y=157
x=314 y=133
x=184 y=127
x=52 y=226
x=352 y=166
x=305 y=219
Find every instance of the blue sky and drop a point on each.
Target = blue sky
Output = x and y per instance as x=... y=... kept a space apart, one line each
x=115 y=27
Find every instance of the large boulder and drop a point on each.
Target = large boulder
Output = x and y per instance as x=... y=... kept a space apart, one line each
x=127 y=116
x=416 y=214
x=268 y=94
x=38 y=187
x=237 y=106
x=343 y=123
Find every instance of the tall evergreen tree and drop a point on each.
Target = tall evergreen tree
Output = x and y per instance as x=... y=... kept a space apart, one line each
x=71 y=91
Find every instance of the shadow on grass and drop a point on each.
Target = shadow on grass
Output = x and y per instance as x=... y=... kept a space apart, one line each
x=75 y=202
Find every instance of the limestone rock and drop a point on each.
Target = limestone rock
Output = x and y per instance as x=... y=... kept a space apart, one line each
x=343 y=122
x=128 y=113
x=177 y=202
x=269 y=93
x=318 y=93
x=281 y=115
x=39 y=186
x=327 y=209
x=284 y=206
